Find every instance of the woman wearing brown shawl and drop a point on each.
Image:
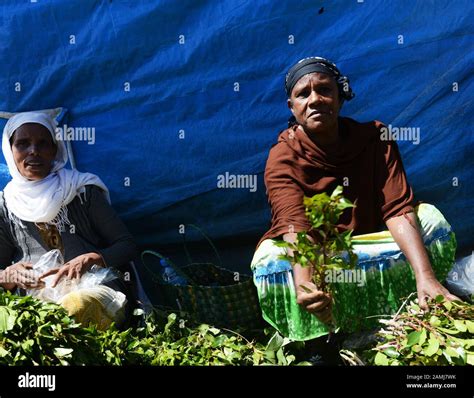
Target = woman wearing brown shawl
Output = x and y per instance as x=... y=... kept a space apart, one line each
x=319 y=151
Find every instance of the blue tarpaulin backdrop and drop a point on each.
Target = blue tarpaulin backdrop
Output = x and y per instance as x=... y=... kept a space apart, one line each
x=180 y=92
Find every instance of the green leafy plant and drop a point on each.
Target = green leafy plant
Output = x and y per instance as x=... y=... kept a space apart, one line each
x=330 y=249
x=37 y=333
x=444 y=335
x=203 y=344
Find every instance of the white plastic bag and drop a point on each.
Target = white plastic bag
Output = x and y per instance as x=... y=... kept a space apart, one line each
x=113 y=301
x=460 y=279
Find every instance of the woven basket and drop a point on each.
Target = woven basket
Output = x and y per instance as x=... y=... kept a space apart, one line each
x=214 y=295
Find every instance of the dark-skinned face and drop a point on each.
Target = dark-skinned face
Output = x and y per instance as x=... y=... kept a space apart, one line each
x=315 y=103
x=33 y=151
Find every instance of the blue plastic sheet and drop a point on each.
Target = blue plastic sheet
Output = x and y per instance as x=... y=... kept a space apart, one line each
x=180 y=92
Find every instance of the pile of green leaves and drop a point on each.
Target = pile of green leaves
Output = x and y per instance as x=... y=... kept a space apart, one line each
x=178 y=344
x=331 y=249
x=37 y=333
x=442 y=336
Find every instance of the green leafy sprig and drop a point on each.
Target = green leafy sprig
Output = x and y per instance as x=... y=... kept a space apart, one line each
x=331 y=249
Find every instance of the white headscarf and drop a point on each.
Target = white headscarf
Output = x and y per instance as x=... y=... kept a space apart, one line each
x=43 y=200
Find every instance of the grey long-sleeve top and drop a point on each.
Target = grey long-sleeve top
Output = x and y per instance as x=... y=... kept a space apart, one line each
x=95 y=227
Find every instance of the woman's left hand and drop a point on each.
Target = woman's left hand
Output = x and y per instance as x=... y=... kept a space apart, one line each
x=75 y=268
x=429 y=287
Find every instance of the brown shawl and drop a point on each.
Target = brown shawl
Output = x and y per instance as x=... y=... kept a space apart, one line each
x=369 y=169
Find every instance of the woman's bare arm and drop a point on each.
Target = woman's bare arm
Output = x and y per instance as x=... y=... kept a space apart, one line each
x=406 y=234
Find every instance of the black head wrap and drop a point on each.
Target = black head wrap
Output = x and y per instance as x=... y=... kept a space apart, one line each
x=322 y=65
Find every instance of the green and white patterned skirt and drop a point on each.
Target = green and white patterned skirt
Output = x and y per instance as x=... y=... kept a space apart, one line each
x=380 y=282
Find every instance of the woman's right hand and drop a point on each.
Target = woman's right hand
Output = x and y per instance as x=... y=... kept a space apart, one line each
x=20 y=274
x=314 y=301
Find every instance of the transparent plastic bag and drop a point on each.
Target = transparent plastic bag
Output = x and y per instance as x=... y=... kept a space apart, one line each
x=112 y=301
x=460 y=279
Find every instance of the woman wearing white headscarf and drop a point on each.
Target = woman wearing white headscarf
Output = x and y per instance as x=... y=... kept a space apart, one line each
x=46 y=206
